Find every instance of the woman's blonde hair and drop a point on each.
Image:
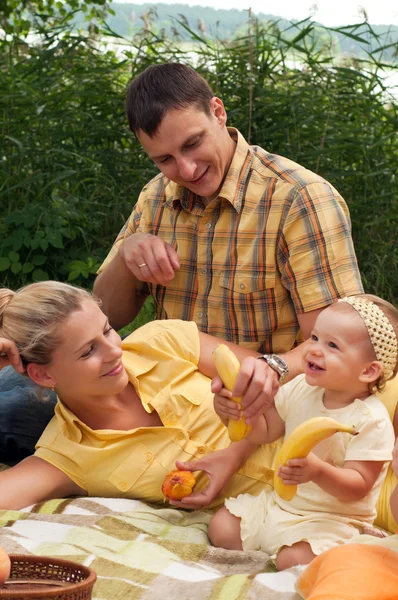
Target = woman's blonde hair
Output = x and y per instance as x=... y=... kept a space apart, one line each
x=31 y=317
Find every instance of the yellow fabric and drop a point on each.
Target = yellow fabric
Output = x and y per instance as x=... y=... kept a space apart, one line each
x=384 y=518
x=161 y=360
x=275 y=243
x=352 y=572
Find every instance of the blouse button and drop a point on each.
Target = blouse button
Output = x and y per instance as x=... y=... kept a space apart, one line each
x=122 y=485
x=201 y=450
x=180 y=436
x=149 y=455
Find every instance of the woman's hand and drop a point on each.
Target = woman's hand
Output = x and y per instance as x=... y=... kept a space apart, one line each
x=9 y=355
x=219 y=467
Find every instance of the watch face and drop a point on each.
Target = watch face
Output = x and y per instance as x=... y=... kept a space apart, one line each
x=279 y=361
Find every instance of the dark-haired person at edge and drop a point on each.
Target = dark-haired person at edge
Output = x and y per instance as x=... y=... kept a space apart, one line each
x=249 y=245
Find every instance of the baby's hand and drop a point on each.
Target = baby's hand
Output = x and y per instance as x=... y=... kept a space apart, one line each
x=223 y=405
x=300 y=470
x=395 y=458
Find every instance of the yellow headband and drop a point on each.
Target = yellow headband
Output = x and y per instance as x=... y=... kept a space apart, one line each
x=381 y=332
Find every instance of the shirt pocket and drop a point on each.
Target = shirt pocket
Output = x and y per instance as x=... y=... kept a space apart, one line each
x=248 y=284
x=129 y=471
x=249 y=305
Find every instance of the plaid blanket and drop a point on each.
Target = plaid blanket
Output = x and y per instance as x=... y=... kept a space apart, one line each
x=142 y=551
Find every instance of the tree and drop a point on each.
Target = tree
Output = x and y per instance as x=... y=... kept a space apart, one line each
x=19 y=17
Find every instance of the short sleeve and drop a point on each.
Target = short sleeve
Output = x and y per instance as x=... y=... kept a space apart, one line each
x=319 y=263
x=288 y=394
x=375 y=441
x=169 y=339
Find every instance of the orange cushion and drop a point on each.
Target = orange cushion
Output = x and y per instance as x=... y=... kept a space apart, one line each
x=351 y=572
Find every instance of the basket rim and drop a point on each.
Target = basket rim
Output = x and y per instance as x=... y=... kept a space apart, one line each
x=37 y=559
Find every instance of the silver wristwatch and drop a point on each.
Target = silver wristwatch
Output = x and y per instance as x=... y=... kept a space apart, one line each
x=277 y=364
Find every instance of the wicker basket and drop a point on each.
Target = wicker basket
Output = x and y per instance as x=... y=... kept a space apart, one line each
x=43 y=577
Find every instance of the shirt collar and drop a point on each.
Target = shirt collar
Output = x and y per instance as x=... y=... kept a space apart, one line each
x=234 y=186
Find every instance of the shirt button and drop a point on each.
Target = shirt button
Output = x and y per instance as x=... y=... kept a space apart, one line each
x=122 y=485
x=208 y=225
x=204 y=271
x=180 y=436
x=200 y=315
x=242 y=286
x=149 y=455
x=201 y=450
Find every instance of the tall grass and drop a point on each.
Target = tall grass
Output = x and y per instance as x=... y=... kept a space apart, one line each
x=71 y=171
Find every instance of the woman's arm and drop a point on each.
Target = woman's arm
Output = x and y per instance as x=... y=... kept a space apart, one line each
x=34 y=480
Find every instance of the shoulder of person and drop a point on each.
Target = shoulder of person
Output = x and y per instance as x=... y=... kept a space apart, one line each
x=376 y=407
x=173 y=329
x=154 y=183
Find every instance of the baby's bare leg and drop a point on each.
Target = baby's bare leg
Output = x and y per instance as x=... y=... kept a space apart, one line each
x=298 y=554
x=224 y=530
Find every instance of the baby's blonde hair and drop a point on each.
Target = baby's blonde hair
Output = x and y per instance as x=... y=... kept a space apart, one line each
x=391 y=313
x=31 y=317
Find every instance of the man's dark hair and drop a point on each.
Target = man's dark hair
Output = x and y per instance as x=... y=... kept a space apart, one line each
x=161 y=88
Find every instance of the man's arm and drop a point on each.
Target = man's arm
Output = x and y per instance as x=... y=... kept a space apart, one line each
x=117 y=287
x=307 y=321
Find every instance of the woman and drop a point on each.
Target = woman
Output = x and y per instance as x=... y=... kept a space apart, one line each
x=127 y=411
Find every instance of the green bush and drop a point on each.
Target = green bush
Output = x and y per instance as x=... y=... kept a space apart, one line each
x=70 y=171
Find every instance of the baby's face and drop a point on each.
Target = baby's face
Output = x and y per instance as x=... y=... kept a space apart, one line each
x=339 y=349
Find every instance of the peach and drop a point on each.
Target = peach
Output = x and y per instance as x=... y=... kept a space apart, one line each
x=5 y=565
x=178 y=484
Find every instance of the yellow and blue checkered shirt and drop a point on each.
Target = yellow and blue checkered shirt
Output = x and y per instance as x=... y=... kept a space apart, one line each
x=275 y=242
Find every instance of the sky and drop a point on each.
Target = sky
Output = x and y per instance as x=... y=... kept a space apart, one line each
x=328 y=12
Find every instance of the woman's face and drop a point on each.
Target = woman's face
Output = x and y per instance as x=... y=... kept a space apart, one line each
x=88 y=363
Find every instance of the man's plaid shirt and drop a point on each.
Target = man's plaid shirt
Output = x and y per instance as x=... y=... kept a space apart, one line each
x=275 y=242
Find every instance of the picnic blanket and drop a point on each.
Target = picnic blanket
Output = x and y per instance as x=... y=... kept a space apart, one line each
x=143 y=551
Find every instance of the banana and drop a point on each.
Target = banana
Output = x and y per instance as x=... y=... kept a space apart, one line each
x=228 y=366
x=300 y=443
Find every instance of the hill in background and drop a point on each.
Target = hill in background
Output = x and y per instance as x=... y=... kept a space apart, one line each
x=219 y=23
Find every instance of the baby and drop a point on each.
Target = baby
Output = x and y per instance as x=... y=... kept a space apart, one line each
x=352 y=352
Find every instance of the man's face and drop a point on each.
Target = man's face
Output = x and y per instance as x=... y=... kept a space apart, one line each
x=192 y=148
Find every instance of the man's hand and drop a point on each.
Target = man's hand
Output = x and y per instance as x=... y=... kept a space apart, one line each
x=149 y=258
x=218 y=467
x=9 y=355
x=300 y=470
x=257 y=383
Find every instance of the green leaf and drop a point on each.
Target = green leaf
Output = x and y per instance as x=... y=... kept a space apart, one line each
x=27 y=268
x=4 y=263
x=38 y=259
x=13 y=256
x=16 y=267
x=39 y=275
x=55 y=239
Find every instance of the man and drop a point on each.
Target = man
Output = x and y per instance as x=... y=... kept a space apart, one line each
x=250 y=245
